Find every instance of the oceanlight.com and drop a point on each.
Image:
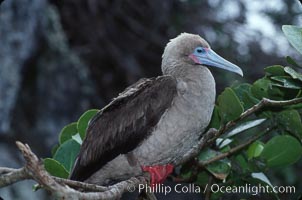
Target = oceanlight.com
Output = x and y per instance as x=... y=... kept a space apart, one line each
x=214 y=188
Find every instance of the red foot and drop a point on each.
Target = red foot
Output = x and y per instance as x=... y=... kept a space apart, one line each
x=158 y=173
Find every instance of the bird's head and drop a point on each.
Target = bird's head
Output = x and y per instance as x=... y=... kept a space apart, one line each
x=189 y=49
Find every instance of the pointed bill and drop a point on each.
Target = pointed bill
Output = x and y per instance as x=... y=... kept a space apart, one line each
x=212 y=59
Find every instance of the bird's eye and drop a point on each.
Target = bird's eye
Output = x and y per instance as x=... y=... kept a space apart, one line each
x=200 y=50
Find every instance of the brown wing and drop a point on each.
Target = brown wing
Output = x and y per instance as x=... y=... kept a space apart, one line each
x=120 y=126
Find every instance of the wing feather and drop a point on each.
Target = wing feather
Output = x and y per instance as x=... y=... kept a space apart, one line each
x=122 y=125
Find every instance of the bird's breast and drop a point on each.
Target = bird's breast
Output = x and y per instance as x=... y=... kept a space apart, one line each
x=181 y=125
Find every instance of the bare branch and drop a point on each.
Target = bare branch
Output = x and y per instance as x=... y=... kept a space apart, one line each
x=208 y=190
x=212 y=134
x=80 y=185
x=65 y=189
x=233 y=150
x=5 y=170
x=59 y=188
x=263 y=103
x=10 y=176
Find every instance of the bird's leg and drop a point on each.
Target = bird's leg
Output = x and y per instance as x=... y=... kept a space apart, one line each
x=158 y=173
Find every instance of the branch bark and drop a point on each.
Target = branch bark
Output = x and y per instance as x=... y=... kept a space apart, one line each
x=233 y=150
x=61 y=188
x=212 y=134
x=263 y=103
x=68 y=189
x=10 y=176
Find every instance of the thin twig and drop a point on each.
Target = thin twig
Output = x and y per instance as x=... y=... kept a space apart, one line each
x=80 y=185
x=212 y=134
x=208 y=191
x=263 y=103
x=233 y=150
x=10 y=176
x=5 y=170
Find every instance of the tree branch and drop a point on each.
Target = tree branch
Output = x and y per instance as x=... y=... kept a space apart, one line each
x=212 y=134
x=263 y=103
x=80 y=185
x=10 y=176
x=60 y=188
x=65 y=189
x=233 y=150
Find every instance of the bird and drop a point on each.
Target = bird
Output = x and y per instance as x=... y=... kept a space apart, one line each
x=153 y=123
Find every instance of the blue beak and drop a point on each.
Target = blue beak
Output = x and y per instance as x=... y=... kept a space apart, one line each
x=209 y=58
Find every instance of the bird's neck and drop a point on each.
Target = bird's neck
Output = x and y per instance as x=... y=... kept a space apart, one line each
x=196 y=77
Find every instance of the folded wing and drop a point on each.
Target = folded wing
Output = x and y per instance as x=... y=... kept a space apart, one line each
x=123 y=124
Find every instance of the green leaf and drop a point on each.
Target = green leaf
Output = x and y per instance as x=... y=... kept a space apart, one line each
x=243 y=92
x=281 y=151
x=186 y=175
x=84 y=121
x=263 y=88
x=291 y=61
x=54 y=168
x=77 y=138
x=202 y=178
x=225 y=149
x=245 y=126
x=290 y=120
x=186 y=170
x=287 y=86
x=67 y=153
x=241 y=89
x=54 y=149
x=276 y=93
x=223 y=142
x=255 y=149
x=286 y=82
x=249 y=100
x=260 y=88
x=220 y=169
x=242 y=162
x=294 y=36
x=67 y=132
x=229 y=105
x=262 y=177
x=293 y=73
x=275 y=70
x=215 y=121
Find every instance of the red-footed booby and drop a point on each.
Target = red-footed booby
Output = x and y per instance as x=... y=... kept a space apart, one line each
x=154 y=122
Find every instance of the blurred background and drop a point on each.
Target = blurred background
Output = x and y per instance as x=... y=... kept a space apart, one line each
x=60 y=58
